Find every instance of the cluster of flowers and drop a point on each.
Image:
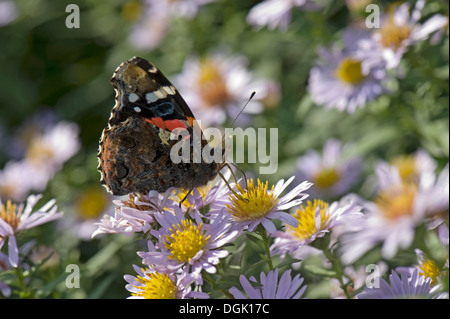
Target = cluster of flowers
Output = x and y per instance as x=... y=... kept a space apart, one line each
x=39 y=149
x=349 y=77
x=15 y=219
x=185 y=241
x=346 y=76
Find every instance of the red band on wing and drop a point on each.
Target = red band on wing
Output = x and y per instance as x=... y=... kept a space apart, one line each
x=168 y=124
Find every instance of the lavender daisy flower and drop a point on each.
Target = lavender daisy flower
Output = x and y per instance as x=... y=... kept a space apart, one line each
x=258 y=205
x=339 y=81
x=150 y=284
x=218 y=86
x=406 y=286
x=8 y=12
x=391 y=219
x=153 y=19
x=53 y=147
x=315 y=219
x=400 y=28
x=5 y=265
x=210 y=197
x=412 y=166
x=15 y=181
x=137 y=213
x=14 y=219
x=276 y=13
x=270 y=287
x=186 y=244
x=332 y=173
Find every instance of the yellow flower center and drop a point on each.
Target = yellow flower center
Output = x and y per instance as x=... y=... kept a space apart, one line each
x=349 y=71
x=39 y=153
x=156 y=286
x=10 y=214
x=429 y=269
x=407 y=168
x=185 y=241
x=212 y=85
x=132 y=10
x=91 y=203
x=306 y=220
x=326 y=178
x=391 y=34
x=396 y=203
x=253 y=203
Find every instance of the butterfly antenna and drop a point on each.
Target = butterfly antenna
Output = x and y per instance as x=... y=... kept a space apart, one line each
x=249 y=99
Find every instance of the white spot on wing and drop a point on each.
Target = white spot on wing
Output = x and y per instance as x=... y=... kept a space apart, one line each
x=153 y=69
x=133 y=97
x=154 y=96
x=137 y=109
x=169 y=90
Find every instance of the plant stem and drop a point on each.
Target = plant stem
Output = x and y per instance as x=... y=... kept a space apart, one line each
x=337 y=266
x=265 y=239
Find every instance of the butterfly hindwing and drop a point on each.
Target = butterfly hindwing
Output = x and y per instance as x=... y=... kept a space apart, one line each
x=134 y=150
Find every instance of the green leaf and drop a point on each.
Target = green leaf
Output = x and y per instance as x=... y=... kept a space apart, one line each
x=322 y=272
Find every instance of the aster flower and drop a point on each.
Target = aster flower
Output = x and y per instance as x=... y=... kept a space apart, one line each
x=5 y=265
x=137 y=213
x=427 y=267
x=331 y=173
x=16 y=180
x=91 y=204
x=394 y=214
x=14 y=219
x=211 y=197
x=412 y=166
x=53 y=147
x=341 y=79
x=400 y=28
x=150 y=284
x=404 y=286
x=8 y=12
x=218 y=86
x=258 y=205
x=276 y=13
x=269 y=287
x=315 y=219
x=188 y=245
x=45 y=155
x=154 y=22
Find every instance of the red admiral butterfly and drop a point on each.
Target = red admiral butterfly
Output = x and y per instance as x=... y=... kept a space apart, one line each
x=134 y=150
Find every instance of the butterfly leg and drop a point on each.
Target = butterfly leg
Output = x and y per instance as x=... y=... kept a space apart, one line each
x=185 y=197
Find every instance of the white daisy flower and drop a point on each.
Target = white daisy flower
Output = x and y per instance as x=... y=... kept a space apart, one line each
x=276 y=13
x=340 y=79
x=15 y=218
x=391 y=219
x=400 y=28
x=151 y=284
x=404 y=286
x=315 y=219
x=154 y=19
x=16 y=180
x=187 y=245
x=51 y=149
x=218 y=86
x=8 y=12
x=136 y=214
x=332 y=172
x=258 y=205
